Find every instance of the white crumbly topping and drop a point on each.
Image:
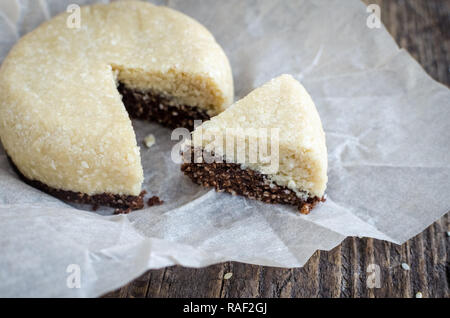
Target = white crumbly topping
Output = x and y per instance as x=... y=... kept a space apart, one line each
x=227 y=276
x=62 y=119
x=149 y=140
x=282 y=103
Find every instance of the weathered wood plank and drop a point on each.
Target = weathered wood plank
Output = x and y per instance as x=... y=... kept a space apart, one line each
x=423 y=29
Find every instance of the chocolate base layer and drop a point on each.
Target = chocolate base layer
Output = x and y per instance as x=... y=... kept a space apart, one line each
x=105 y=199
x=229 y=177
x=157 y=108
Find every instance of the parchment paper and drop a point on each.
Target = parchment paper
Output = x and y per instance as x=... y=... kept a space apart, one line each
x=388 y=135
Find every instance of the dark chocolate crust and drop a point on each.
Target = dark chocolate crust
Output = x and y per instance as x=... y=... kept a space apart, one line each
x=229 y=177
x=157 y=108
x=105 y=199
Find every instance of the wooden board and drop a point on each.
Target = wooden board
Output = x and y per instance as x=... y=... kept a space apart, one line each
x=423 y=28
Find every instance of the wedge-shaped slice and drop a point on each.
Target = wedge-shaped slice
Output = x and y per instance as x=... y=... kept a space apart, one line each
x=268 y=146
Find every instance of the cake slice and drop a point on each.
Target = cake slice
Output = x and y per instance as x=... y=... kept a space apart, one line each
x=269 y=146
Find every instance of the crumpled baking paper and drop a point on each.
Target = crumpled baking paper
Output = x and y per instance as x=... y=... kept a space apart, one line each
x=388 y=135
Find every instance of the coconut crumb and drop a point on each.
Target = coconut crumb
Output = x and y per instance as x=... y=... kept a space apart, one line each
x=405 y=267
x=149 y=140
x=227 y=276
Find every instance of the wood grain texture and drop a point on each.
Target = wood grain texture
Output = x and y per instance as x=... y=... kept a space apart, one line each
x=423 y=28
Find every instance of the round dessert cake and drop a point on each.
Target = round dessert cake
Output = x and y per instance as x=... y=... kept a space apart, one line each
x=67 y=94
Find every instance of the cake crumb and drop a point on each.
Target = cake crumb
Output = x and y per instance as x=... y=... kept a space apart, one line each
x=305 y=209
x=419 y=295
x=149 y=140
x=227 y=276
x=154 y=200
x=405 y=267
